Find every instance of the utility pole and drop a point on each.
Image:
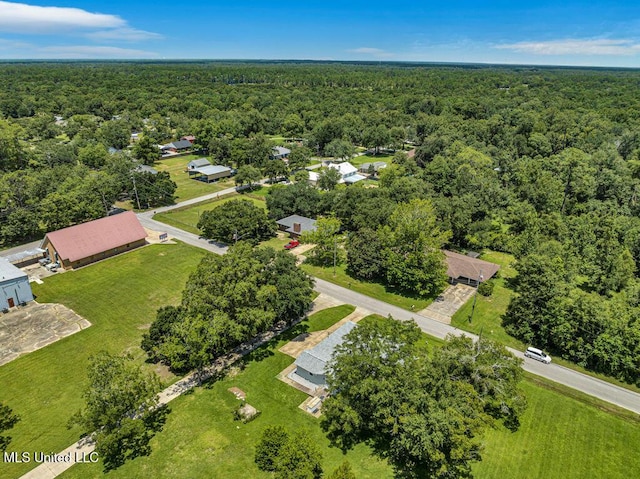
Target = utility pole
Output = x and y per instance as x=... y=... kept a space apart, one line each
x=335 y=247
x=475 y=297
x=135 y=189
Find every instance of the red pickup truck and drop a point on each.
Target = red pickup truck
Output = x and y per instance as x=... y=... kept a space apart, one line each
x=292 y=244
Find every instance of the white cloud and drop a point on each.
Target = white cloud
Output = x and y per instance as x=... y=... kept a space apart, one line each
x=376 y=52
x=575 y=47
x=91 y=52
x=124 y=34
x=23 y=18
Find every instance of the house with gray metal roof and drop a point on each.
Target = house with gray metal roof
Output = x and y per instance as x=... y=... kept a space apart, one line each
x=311 y=365
x=14 y=286
x=295 y=225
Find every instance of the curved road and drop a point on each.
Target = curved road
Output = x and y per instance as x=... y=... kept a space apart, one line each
x=595 y=387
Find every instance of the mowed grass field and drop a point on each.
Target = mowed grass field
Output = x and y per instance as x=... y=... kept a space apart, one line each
x=187 y=186
x=201 y=439
x=564 y=433
x=119 y=296
x=375 y=290
x=187 y=217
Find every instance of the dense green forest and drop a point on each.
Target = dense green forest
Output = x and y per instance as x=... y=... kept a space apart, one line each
x=539 y=162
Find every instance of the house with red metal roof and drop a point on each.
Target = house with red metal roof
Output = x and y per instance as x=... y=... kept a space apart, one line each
x=89 y=242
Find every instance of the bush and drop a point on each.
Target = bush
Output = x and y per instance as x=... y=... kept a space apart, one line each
x=486 y=288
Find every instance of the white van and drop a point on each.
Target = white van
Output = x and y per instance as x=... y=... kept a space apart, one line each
x=535 y=353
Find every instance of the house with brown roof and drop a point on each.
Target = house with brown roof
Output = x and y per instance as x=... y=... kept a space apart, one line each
x=89 y=242
x=468 y=270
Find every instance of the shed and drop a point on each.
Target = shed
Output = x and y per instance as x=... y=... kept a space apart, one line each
x=14 y=286
x=311 y=365
x=468 y=270
x=211 y=172
x=86 y=243
x=295 y=225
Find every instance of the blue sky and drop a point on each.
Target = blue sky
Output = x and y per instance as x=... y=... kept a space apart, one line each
x=536 y=32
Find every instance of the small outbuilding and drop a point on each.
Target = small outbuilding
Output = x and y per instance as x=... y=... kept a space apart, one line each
x=14 y=286
x=311 y=365
x=468 y=270
x=377 y=166
x=295 y=225
x=89 y=242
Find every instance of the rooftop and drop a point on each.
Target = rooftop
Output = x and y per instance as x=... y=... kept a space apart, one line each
x=212 y=169
x=462 y=266
x=9 y=271
x=306 y=224
x=94 y=237
x=315 y=359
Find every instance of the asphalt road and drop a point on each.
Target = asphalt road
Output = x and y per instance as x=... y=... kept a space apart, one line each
x=573 y=379
x=587 y=384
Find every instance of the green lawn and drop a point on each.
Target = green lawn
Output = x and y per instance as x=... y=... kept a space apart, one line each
x=328 y=317
x=359 y=160
x=487 y=317
x=375 y=290
x=187 y=217
x=200 y=438
x=119 y=296
x=188 y=187
x=564 y=433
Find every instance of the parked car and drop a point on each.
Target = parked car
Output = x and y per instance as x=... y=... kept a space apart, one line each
x=537 y=354
x=292 y=244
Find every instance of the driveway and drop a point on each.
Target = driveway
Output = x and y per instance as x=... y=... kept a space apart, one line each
x=451 y=300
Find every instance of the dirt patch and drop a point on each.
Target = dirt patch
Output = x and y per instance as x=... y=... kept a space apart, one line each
x=238 y=393
x=34 y=326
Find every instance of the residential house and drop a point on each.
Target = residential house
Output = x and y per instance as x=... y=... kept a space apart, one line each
x=280 y=153
x=14 y=286
x=86 y=243
x=176 y=146
x=190 y=138
x=468 y=270
x=145 y=169
x=311 y=366
x=295 y=225
x=348 y=172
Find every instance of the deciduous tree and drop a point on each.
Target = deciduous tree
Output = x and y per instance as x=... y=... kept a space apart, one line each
x=120 y=408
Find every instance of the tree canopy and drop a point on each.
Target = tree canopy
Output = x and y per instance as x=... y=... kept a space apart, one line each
x=237 y=220
x=425 y=414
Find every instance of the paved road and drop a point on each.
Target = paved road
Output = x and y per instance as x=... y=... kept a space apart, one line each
x=587 y=384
